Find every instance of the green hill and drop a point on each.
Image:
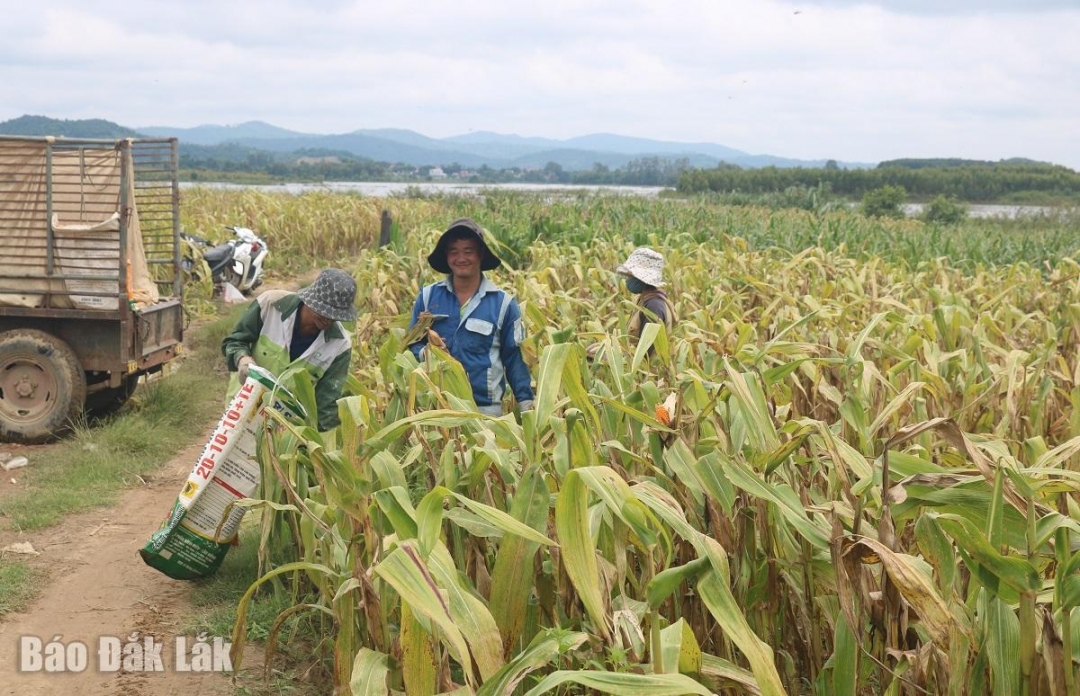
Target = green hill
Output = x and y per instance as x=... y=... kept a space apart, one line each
x=80 y=128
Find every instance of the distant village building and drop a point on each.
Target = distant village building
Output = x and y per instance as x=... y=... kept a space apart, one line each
x=319 y=160
x=437 y=173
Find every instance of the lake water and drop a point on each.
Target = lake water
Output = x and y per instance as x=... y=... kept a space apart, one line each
x=381 y=189
x=980 y=210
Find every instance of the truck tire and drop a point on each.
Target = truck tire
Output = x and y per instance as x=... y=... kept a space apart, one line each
x=42 y=386
x=107 y=401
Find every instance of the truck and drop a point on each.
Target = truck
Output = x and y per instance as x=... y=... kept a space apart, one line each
x=91 y=287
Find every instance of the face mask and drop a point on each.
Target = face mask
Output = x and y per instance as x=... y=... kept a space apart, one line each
x=634 y=285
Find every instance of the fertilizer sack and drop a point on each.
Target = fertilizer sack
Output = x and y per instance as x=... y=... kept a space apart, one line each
x=204 y=522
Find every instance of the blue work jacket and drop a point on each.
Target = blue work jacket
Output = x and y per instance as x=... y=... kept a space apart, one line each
x=484 y=338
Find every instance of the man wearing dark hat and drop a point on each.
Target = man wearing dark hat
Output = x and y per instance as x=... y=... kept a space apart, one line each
x=480 y=324
x=281 y=329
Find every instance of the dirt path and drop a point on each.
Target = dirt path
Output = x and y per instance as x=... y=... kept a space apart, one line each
x=98 y=586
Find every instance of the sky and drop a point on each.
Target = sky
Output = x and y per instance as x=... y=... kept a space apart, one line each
x=822 y=79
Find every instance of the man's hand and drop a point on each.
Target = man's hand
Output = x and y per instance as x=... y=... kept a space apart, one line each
x=525 y=405
x=242 y=366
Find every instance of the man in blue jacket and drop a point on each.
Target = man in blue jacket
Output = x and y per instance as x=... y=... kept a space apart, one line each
x=480 y=324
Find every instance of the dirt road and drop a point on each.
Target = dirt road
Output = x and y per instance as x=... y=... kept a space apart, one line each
x=97 y=587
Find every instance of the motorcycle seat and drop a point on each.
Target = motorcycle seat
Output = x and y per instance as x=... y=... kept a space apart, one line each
x=219 y=254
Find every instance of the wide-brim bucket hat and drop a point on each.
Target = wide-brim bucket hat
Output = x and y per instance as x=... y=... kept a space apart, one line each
x=462 y=228
x=646 y=265
x=332 y=295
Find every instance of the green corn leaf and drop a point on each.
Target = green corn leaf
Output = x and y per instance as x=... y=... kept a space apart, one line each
x=473 y=524
x=405 y=571
x=503 y=521
x=780 y=495
x=679 y=649
x=470 y=615
x=781 y=454
x=918 y=590
x=239 y=634
x=578 y=554
x=667 y=581
x=546 y=647
x=639 y=416
x=574 y=383
x=513 y=576
x=389 y=471
x=715 y=593
x=1059 y=455
x=666 y=508
x=751 y=401
x=613 y=490
x=1001 y=631
x=549 y=381
x=369 y=672
x=845 y=660
x=709 y=470
x=909 y=392
x=680 y=460
x=440 y=418
x=419 y=664
x=622 y=683
x=937 y=550
x=717 y=669
x=1014 y=572
x=670 y=645
x=653 y=334
x=395 y=504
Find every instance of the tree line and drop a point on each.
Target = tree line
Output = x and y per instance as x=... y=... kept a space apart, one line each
x=317 y=165
x=921 y=179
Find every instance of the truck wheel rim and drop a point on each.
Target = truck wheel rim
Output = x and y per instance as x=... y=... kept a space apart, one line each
x=28 y=389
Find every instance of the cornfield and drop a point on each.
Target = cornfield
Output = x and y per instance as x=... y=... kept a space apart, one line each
x=844 y=472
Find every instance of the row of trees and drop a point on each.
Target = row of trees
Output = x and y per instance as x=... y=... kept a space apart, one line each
x=324 y=166
x=985 y=182
x=643 y=171
x=963 y=180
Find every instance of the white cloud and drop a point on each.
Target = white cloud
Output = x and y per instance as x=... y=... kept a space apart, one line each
x=819 y=79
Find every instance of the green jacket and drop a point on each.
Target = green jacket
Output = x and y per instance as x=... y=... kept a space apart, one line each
x=265 y=331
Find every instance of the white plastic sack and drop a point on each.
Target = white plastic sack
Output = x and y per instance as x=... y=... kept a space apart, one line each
x=231 y=294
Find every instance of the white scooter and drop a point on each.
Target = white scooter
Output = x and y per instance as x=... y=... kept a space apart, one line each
x=238 y=261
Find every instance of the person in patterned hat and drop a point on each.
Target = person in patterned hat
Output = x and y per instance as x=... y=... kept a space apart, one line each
x=643 y=272
x=281 y=329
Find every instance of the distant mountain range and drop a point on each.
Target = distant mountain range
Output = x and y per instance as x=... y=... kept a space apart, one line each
x=471 y=150
x=476 y=149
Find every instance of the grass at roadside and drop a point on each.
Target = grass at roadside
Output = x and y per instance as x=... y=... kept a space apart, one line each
x=93 y=466
x=17 y=582
x=216 y=599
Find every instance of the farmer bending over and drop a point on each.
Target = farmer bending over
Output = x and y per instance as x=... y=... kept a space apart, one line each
x=281 y=329
x=480 y=324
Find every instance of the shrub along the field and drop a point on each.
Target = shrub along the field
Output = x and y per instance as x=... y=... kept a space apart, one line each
x=944 y=211
x=884 y=202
